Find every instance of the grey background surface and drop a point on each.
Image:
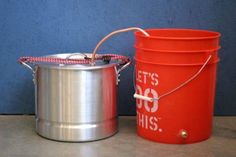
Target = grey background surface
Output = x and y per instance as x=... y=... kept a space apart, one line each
x=35 y=28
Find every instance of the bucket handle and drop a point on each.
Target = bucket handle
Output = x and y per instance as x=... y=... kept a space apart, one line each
x=146 y=98
x=114 y=33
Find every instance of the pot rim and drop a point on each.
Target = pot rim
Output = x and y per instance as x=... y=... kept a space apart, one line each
x=75 y=66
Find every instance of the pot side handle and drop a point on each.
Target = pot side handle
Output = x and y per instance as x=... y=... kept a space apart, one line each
x=124 y=66
x=23 y=61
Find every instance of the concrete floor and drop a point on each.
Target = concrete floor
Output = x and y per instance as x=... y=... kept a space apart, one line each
x=18 y=139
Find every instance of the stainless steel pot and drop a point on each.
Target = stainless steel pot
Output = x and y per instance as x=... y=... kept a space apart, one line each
x=76 y=102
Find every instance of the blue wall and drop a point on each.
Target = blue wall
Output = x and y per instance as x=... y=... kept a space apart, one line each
x=42 y=27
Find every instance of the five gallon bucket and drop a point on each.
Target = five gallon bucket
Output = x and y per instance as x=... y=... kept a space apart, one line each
x=175 y=84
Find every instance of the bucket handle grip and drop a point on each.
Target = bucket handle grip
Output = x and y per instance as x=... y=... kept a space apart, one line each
x=111 y=34
x=149 y=99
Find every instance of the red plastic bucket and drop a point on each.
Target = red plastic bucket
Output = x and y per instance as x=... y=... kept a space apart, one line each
x=175 y=57
x=182 y=115
x=175 y=84
x=177 y=39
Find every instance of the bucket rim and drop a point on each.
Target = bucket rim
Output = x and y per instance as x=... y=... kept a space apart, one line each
x=169 y=64
x=178 y=51
x=214 y=34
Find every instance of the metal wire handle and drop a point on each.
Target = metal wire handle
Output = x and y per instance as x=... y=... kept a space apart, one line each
x=146 y=98
x=114 y=33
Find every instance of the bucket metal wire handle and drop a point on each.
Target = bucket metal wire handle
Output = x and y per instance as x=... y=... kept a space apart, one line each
x=114 y=33
x=146 y=98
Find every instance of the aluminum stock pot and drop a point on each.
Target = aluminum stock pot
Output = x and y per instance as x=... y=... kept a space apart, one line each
x=76 y=102
x=75 y=94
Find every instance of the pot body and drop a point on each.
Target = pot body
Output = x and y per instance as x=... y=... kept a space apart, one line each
x=76 y=104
